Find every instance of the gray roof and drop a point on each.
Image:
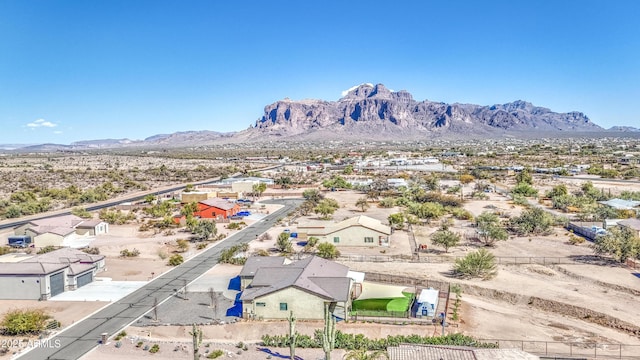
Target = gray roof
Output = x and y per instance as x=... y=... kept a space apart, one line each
x=76 y=260
x=61 y=225
x=324 y=278
x=631 y=224
x=439 y=352
x=253 y=263
x=30 y=268
x=69 y=221
x=89 y=224
x=621 y=204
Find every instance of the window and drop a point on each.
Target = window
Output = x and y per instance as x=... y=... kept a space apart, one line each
x=261 y=304
x=336 y=239
x=283 y=306
x=368 y=239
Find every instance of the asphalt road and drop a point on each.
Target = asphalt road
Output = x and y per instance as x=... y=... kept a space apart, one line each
x=80 y=338
x=104 y=204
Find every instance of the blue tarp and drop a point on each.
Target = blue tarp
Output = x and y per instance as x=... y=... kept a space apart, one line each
x=234 y=283
x=236 y=309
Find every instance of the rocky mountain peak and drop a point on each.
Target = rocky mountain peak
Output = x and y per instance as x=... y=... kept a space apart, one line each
x=366 y=91
x=375 y=110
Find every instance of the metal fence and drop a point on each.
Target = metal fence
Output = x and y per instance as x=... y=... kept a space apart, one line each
x=576 y=350
x=504 y=260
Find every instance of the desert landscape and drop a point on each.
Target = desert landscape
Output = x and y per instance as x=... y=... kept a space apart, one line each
x=547 y=290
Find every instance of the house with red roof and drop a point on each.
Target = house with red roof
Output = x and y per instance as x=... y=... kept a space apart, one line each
x=216 y=208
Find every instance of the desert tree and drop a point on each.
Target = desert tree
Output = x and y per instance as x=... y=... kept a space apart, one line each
x=204 y=230
x=326 y=208
x=283 y=244
x=396 y=220
x=621 y=243
x=490 y=229
x=363 y=204
x=445 y=238
x=534 y=221
x=312 y=195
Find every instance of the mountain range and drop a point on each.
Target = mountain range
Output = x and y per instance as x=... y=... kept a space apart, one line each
x=373 y=112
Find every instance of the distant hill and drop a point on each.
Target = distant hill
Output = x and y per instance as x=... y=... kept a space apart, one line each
x=624 y=129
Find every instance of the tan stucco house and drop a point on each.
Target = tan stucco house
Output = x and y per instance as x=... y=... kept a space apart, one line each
x=272 y=287
x=60 y=230
x=356 y=231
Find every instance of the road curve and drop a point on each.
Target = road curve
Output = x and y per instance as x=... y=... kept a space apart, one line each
x=78 y=339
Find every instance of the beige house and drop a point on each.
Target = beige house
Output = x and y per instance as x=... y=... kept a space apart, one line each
x=356 y=231
x=60 y=230
x=197 y=196
x=272 y=287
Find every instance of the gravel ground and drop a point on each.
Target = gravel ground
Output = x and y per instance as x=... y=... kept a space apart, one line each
x=195 y=309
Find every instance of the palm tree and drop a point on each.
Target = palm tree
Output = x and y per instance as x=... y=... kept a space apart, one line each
x=362 y=354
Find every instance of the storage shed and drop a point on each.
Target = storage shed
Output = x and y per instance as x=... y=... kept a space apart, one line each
x=427 y=302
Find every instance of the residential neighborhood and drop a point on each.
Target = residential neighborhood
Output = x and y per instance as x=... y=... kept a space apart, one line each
x=374 y=250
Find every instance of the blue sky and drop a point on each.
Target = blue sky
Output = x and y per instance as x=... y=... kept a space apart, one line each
x=79 y=70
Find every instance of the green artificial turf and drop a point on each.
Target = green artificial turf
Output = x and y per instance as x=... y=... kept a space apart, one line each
x=395 y=304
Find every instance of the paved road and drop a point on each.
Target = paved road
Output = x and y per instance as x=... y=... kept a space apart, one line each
x=83 y=336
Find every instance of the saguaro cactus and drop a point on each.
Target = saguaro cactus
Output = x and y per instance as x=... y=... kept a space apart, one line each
x=293 y=336
x=196 y=333
x=329 y=333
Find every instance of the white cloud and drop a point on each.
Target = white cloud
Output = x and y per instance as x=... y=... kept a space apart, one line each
x=57 y=132
x=41 y=123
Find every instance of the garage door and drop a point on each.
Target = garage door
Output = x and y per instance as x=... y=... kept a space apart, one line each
x=57 y=283
x=84 y=279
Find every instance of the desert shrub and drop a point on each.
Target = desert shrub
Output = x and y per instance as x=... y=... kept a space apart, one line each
x=183 y=245
x=261 y=252
x=201 y=246
x=129 y=253
x=46 y=249
x=575 y=240
x=524 y=189
x=460 y=213
x=359 y=341
x=154 y=349
x=215 y=354
x=387 y=202
x=328 y=251
x=91 y=251
x=162 y=254
x=5 y=250
x=120 y=335
x=477 y=264
x=23 y=322
x=175 y=260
